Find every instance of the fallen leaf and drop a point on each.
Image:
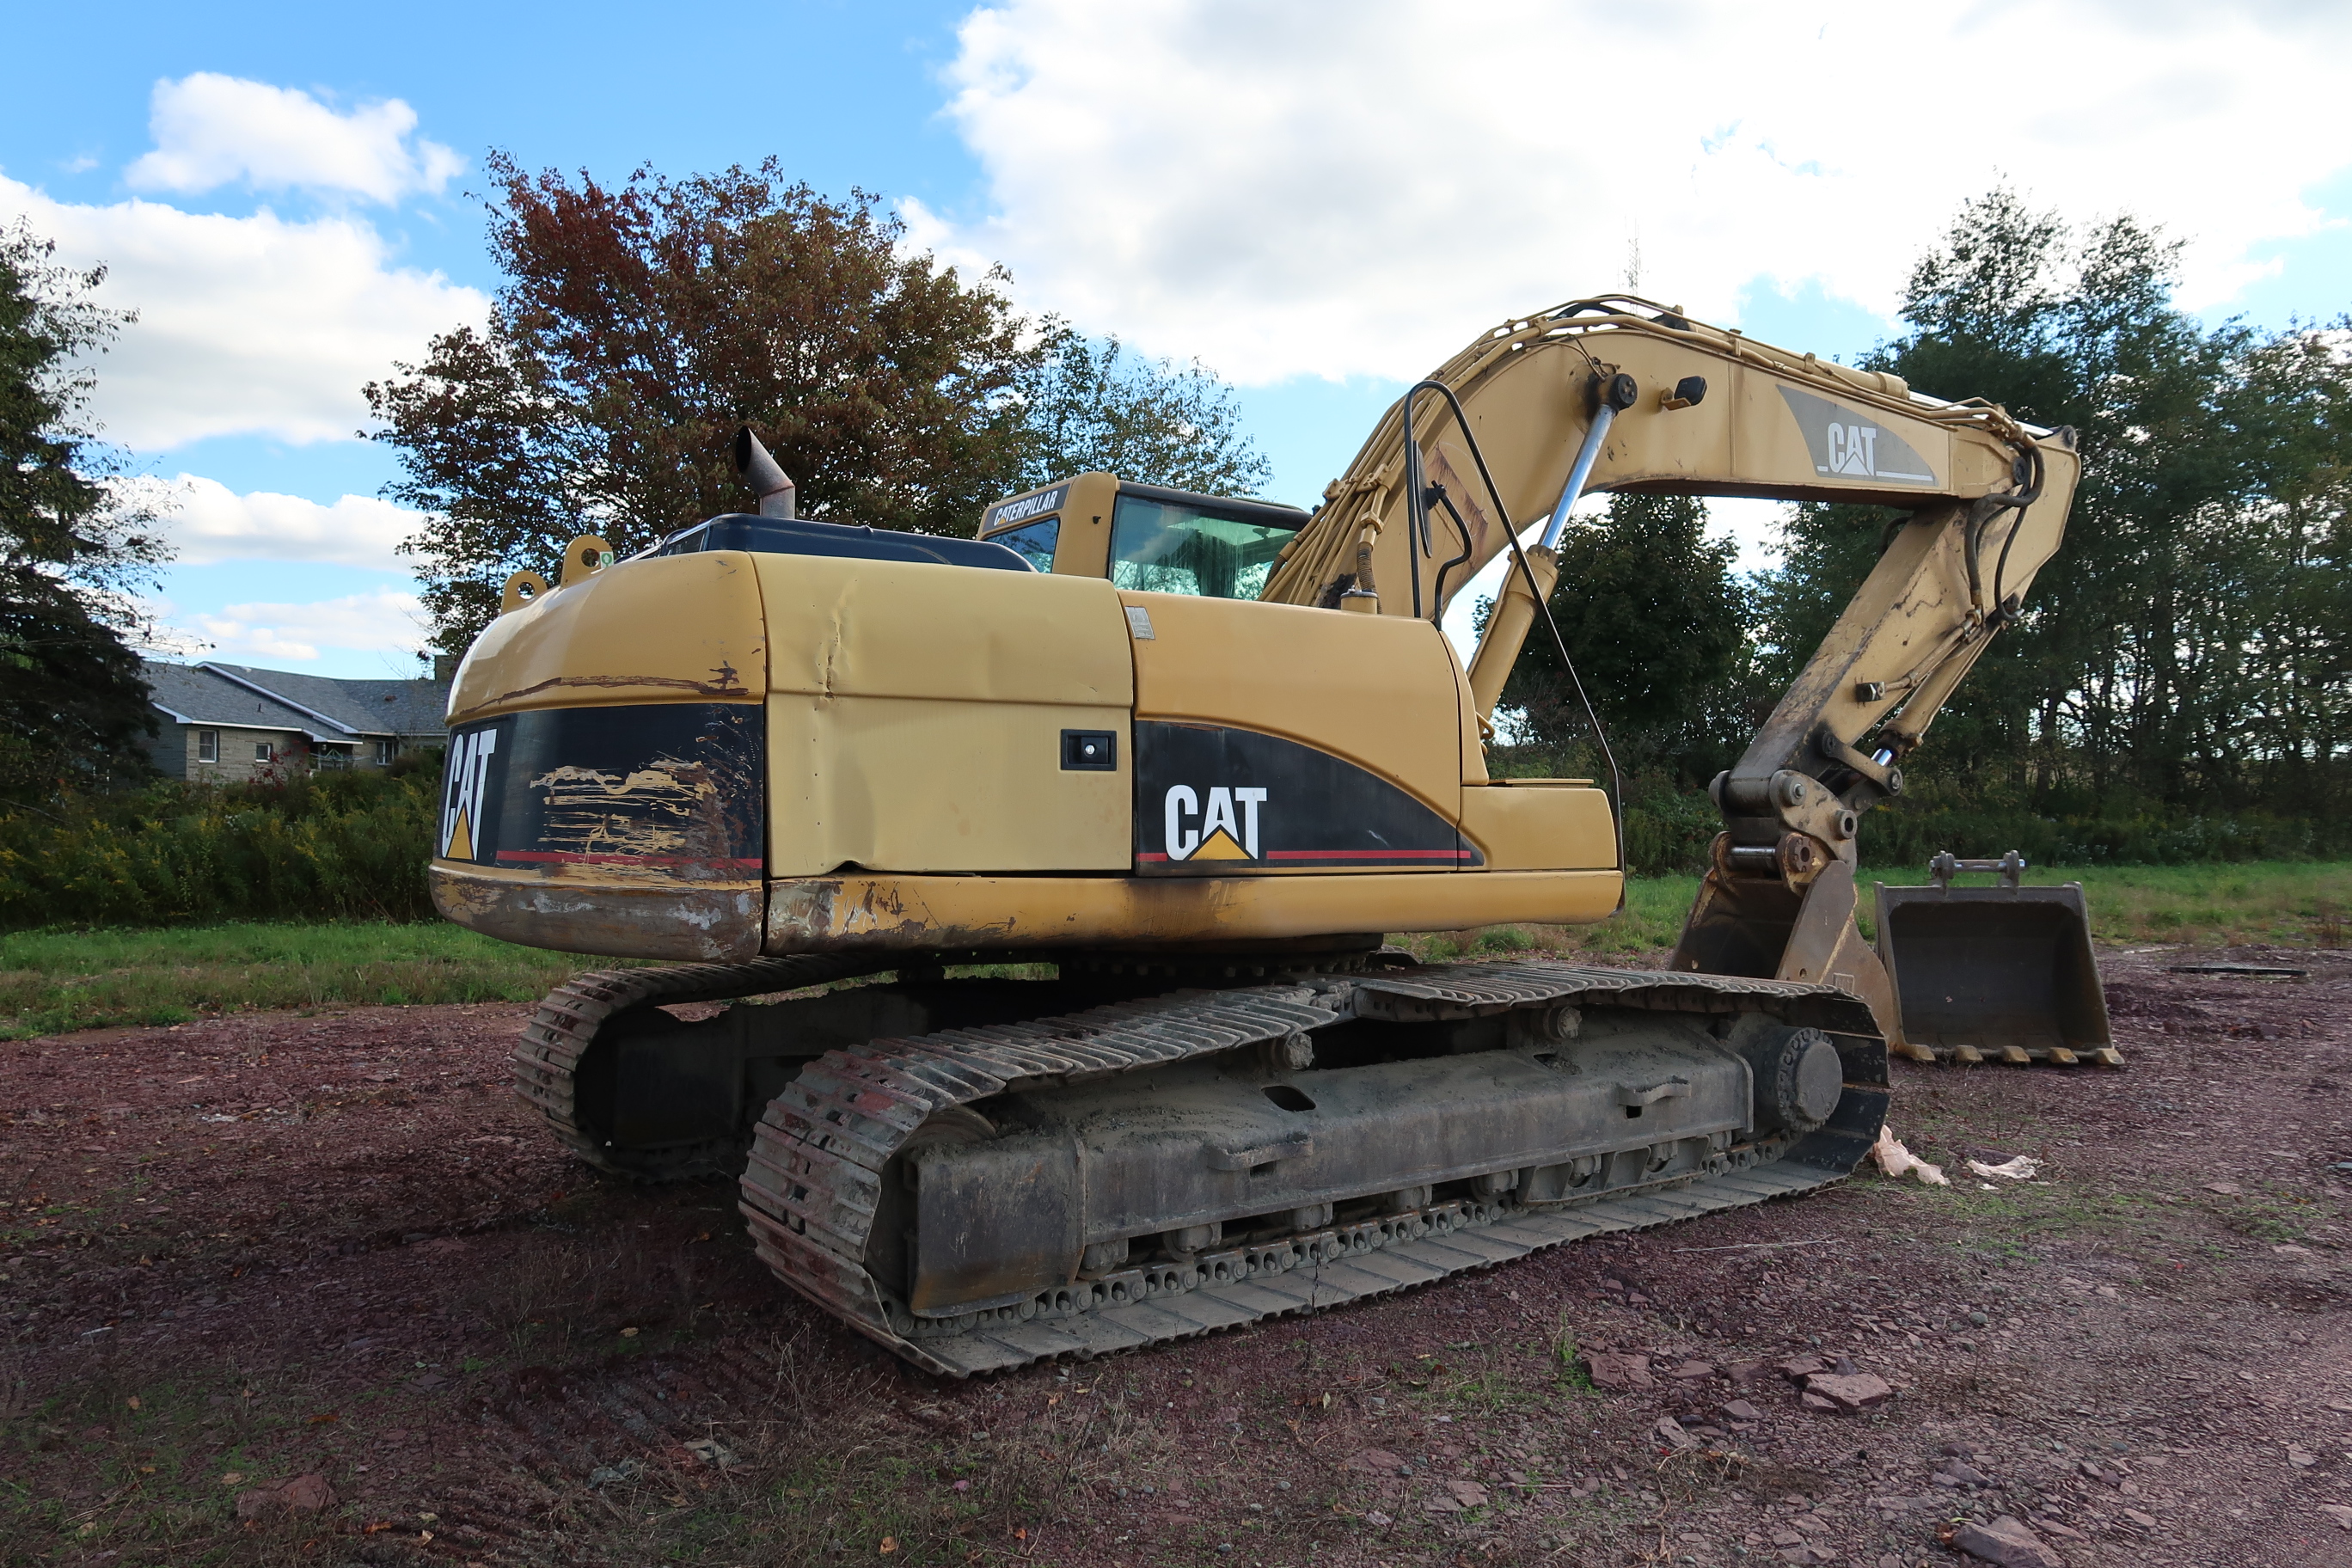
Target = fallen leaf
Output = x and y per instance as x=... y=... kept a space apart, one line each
x=132 y=1402
x=889 y=1544
x=233 y=1478
x=628 y=1334
x=324 y=1418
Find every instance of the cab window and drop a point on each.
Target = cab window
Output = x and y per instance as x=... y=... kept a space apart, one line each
x=1174 y=547
x=1035 y=541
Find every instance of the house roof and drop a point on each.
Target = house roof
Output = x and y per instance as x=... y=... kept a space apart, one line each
x=356 y=707
x=321 y=707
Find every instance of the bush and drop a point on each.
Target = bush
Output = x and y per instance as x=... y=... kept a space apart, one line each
x=323 y=847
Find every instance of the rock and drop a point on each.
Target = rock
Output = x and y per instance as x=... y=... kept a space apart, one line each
x=2341 y=1513
x=710 y=1450
x=303 y=1494
x=1796 y=1369
x=2301 y=1458
x=1849 y=1391
x=1960 y=1473
x=2144 y=1521
x=1670 y=1431
x=1819 y=1402
x=1376 y=1461
x=2061 y=1530
x=1744 y=1372
x=1692 y=1368
x=2291 y=1251
x=2006 y=1542
x=2109 y=1292
x=1616 y=1371
x=2227 y=1189
x=1469 y=1494
x=1740 y=1410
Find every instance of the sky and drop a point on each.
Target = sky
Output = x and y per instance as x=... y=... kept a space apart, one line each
x=1319 y=201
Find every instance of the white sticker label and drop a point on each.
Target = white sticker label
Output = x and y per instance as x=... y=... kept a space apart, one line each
x=1138 y=621
x=1190 y=830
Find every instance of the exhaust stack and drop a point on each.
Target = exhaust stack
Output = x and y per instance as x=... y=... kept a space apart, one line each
x=764 y=474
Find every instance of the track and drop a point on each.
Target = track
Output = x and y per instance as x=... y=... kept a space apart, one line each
x=813 y=1181
x=570 y=1018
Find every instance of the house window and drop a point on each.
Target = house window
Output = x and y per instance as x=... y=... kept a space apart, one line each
x=263 y=752
x=385 y=751
x=209 y=746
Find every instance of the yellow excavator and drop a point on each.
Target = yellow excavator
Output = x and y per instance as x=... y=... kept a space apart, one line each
x=1060 y=862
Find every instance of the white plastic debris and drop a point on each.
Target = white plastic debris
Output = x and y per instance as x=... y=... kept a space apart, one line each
x=2023 y=1168
x=1896 y=1161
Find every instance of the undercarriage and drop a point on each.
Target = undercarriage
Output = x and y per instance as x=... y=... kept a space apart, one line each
x=978 y=1172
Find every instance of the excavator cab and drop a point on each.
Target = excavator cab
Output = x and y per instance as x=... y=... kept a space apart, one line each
x=2001 y=974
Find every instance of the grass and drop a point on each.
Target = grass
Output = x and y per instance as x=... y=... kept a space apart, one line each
x=51 y=981
x=2250 y=903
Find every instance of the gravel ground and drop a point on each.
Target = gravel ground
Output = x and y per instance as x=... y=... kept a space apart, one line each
x=278 y=1246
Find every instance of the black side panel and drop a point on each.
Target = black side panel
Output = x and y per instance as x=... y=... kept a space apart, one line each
x=1216 y=802
x=672 y=788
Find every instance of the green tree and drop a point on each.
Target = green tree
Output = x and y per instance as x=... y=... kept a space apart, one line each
x=2186 y=646
x=1088 y=406
x=1656 y=624
x=74 y=548
x=640 y=325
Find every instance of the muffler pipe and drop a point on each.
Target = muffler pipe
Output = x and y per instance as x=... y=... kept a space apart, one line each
x=764 y=474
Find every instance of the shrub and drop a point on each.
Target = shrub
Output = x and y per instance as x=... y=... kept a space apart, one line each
x=323 y=847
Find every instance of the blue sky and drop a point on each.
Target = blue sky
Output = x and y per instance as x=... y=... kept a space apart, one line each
x=284 y=193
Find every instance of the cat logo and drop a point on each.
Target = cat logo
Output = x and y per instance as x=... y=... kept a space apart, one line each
x=1850 y=449
x=1212 y=835
x=1846 y=445
x=462 y=794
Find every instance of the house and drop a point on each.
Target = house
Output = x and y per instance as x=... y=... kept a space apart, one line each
x=229 y=722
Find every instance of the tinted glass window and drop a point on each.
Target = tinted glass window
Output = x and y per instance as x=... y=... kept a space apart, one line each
x=1035 y=541
x=1169 y=547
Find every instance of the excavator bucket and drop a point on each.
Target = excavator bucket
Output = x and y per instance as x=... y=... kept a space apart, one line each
x=1993 y=974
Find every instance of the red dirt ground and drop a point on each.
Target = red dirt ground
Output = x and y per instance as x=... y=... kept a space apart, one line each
x=275 y=1245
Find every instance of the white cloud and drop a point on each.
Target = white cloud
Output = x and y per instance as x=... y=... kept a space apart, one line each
x=246 y=325
x=387 y=621
x=208 y=522
x=1353 y=188
x=210 y=130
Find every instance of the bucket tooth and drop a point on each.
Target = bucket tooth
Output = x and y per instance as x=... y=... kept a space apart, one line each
x=2105 y=1056
x=2016 y=1057
x=1966 y=1056
x=2059 y=1056
x=1912 y=1053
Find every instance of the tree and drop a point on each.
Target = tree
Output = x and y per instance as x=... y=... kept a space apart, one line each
x=1084 y=410
x=1656 y=625
x=2187 y=644
x=74 y=548
x=639 y=325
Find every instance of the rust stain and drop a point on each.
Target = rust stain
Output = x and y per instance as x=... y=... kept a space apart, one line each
x=666 y=807
x=1466 y=498
x=728 y=685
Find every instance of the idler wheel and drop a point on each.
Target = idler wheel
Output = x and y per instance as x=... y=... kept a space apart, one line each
x=1799 y=1080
